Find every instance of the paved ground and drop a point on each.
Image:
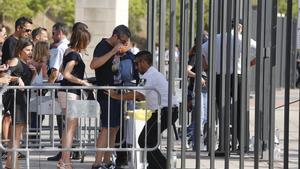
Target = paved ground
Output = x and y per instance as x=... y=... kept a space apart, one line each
x=38 y=160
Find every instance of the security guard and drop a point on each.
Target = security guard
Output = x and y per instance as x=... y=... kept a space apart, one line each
x=151 y=78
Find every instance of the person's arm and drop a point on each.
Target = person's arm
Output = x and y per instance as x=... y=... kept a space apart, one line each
x=126 y=96
x=68 y=76
x=44 y=71
x=57 y=61
x=99 y=61
x=5 y=79
x=190 y=72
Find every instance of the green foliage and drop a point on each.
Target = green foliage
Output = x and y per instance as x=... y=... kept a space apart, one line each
x=282 y=7
x=137 y=11
x=12 y=9
x=59 y=10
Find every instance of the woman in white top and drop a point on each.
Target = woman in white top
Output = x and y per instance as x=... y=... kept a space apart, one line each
x=40 y=58
x=41 y=55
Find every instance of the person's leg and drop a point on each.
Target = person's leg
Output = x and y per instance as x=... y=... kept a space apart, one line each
x=15 y=143
x=101 y=143
x=67 y=138
x=112 y=139
x=60 y=120
x=204 y=110
x=5 y=126
x=155 y=158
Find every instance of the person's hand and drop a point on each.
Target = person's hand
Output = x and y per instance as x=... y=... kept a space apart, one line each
x=86 y=83
x=5 y=79
x=124 y=48
x=20 y=82
x=203 y=82
x=113 y=94
x=116 y=49
x=33 y=69
x=3 y=67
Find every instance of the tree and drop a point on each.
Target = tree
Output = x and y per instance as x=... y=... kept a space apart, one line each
x=58 y=10
x=137 y=11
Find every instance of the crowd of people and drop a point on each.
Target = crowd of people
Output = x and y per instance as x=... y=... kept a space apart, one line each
x=28 y=58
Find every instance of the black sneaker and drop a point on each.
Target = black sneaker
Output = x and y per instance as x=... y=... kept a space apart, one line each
x=110 y=166
x=75 y=155
x=21 y=156
x=4 y=155
x=55 y=158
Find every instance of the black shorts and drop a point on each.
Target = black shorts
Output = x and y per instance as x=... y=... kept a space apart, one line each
x=110 y=115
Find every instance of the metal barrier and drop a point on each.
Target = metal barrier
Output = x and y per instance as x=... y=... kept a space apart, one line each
x=87 y=112
x=229 y=91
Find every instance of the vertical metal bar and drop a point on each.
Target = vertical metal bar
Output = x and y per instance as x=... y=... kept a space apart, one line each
x=244 y=96
x=249 y=27
x=221 y=103
x=259 y=80
x=212 y=80
x=200 y=24
x=162 y=37
x=299 y=130
x=191 y=28
x=227 y=84
x=184 y=80
x=153 y=34
x=14 y=153
x=287 y=84
x=236 y=89
x=272 y=84
x=181 y=39
x=171 y=79
x=149 y=24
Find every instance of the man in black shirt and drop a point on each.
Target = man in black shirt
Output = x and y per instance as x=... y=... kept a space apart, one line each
x=105 y=63
x=23 y=28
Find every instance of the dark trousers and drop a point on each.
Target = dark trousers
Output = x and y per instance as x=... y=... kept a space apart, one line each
x=156 y=160
x=60 y=119
x=238 y=103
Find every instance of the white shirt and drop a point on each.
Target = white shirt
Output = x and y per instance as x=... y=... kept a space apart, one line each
x=56 y=56
x=218 y=52
x=38 y=79
x=154 y=79
x=135 y=50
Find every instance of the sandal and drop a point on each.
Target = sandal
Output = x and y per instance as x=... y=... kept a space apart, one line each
x=63 y=165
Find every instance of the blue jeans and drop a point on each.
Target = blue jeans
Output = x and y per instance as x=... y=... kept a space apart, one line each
x=190 y=128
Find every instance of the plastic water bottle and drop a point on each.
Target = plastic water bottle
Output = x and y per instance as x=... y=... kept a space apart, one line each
x=173 y=161
x=251 y=143
x=277 y=152
x=276 y=137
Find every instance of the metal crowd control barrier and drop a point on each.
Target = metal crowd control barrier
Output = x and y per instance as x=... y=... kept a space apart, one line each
x=274 y=67
x=88 y=114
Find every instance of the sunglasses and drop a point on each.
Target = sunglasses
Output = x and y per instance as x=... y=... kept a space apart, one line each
x=27 y=30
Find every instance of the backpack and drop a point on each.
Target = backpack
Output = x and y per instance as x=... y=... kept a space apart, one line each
x=127 y=68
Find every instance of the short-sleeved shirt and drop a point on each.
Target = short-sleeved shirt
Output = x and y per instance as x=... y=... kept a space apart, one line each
x=104 y=74
x=192 y=62
x=23 y=71
x=56 y=58
x=8 y=48
x=152 y=78
x=218 y=52
x=78 y=70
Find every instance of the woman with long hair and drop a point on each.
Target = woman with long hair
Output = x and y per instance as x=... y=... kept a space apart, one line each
x=41 y=55
x=23 y=74
x=73 y=70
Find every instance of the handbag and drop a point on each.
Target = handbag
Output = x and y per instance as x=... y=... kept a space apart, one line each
x=90 y=94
